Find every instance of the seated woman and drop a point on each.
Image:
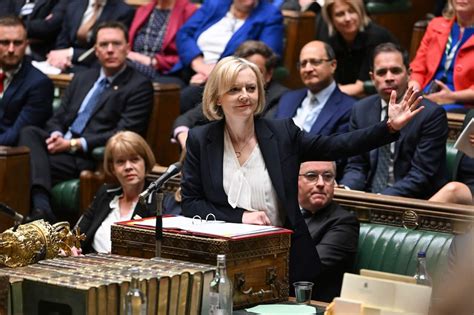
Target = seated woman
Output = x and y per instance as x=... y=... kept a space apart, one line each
x=444 y=63
x=152 y=37
x=244 y=168
x=217 y=29
x=461 y=189
x=353 y=37
x=127 y=159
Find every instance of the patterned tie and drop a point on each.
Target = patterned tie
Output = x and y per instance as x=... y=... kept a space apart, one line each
x=380 y=180
x=83 y=117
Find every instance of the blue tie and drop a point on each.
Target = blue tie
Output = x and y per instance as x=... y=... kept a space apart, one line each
x=83 y=117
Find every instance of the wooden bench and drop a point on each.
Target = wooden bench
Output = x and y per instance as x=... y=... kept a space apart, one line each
x=14 y=182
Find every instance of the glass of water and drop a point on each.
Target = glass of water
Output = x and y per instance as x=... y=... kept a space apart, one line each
x=303 y=291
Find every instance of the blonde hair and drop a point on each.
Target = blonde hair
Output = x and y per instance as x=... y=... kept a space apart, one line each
x=127 y=143
x=357 y=5
x=221 y=79
x=448 y=11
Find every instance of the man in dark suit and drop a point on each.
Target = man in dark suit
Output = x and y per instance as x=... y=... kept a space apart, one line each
x=77 y=33
x=43 y=19
x=97 y=103
x=320 y=107
x=414 y=165
x=334 y=230
x=26 y=94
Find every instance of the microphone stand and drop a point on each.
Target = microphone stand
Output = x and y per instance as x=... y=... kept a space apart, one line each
x=159 y=222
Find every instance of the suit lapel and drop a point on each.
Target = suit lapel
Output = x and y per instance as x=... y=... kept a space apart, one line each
x=329 y=110
x=215 y=148
x=288 y=110
x=17 y=82
x=80 y=9
x=268 y=144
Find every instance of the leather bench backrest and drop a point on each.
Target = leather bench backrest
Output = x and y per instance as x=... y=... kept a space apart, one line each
x=394 y=249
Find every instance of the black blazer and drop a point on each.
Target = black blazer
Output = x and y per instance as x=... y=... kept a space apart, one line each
x=335 y=234
x=284 y=146
x=126 y=105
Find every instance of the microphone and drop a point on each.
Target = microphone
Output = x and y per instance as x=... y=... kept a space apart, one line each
x=172 y=170
x=7 y=210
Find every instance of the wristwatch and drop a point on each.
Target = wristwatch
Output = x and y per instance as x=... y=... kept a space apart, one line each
x=74 y=145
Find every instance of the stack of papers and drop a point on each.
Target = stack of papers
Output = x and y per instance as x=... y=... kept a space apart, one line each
x=211 y=228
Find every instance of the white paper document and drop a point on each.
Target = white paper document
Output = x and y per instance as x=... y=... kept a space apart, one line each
x=214 y=228
x=463 y=144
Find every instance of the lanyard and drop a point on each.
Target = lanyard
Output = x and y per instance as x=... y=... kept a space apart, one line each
x=451 y=51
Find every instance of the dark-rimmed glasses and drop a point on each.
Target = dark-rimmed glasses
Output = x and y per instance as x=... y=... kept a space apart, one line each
x=313 y=177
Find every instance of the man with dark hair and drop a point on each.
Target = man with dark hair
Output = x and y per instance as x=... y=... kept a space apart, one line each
x=26 y=94
x=77 y=35
x=265 y=59
x=334 y=230
x=413 y=166
x=97 y=104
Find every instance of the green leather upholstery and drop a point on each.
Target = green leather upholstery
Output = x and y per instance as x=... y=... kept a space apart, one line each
x=380 y=7
x=65 y=199
x=451 y=153
x=394 y=249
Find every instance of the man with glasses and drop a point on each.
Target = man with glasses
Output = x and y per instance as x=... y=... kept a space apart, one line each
x=26 y=94
x=414 y=165
x=96 y=104
x=334 y=230
x=320 y=107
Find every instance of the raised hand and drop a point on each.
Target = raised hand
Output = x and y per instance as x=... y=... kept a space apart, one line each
x=400 y=114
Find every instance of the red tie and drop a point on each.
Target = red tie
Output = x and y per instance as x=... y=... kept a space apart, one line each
x=2 y=78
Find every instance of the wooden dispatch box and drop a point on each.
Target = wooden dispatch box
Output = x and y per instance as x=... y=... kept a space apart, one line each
x=257 y=265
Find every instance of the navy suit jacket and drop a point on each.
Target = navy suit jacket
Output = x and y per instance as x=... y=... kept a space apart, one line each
x=335 y=234
x=334 y=117
x=126 y=105
x=114 y=10
x=420 y=152
x=27 y=101
x=284 y=146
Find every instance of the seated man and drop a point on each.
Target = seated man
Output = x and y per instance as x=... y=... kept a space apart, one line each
x=413 y=166
x=26 y=94
x=334 y=230
x=43 y=19
x=77 y=34
x=320 y=107
x=96 y=104
x=265 y=59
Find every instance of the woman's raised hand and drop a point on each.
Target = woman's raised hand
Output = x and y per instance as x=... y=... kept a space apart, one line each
x=399 y=114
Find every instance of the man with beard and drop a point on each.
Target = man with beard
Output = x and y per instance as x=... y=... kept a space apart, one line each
x=26 y=94
x=413 y=166
x=334 y=230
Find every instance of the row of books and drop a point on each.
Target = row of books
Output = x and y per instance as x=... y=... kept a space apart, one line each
x=97 y=284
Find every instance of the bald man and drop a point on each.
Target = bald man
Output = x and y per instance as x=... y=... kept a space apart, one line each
x=320 y=107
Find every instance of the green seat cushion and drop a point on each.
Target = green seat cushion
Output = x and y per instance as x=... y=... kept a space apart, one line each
x=65 y=198
x=451 y=153
x=394 y=249
x=377 y=7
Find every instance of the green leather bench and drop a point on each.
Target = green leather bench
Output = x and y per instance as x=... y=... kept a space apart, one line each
x=394 y=249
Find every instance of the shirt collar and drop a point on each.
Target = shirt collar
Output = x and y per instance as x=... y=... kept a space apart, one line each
x=111 y=78
x=324 y=93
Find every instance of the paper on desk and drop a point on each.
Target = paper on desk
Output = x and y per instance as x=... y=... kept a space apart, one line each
x=45 y=67
x=215 y=228
x=463 y=144
x=280 y=309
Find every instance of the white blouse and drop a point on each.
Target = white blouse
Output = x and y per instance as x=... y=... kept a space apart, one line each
x=213 y=41
x=102 y=242
x=249 y=186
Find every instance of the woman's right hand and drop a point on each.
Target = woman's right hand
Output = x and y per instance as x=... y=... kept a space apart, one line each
x=255 y=217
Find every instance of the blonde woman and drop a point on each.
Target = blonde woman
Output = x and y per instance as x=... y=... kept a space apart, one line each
x=353 y=36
